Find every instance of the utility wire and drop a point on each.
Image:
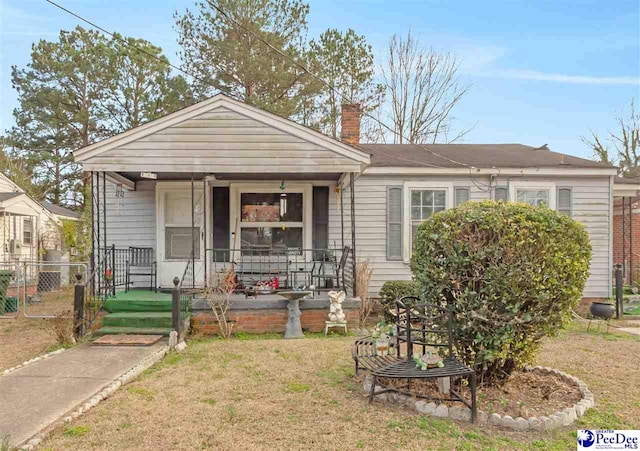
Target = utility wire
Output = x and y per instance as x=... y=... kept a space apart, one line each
x=282 y=54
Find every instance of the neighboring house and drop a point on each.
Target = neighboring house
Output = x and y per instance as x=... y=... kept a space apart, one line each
x=27 y=227
x=247 y=184
x=626 y=227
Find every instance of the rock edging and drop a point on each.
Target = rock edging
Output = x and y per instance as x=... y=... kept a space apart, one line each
x=561 y=418
x=94 y=400
x=33 y=360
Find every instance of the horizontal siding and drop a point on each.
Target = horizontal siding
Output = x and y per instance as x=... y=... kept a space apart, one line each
x=133 y=223
x=222 y=141
x=590 y=207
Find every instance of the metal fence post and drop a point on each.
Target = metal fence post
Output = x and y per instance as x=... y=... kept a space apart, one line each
x=175 y=305
x=619 y=290
x=78 y=306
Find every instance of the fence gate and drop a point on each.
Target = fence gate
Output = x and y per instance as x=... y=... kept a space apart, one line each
x=10 y=290
x=41 y=289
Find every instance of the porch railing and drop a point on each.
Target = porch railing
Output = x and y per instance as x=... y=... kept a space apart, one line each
x=182 y=297
x=285 y=268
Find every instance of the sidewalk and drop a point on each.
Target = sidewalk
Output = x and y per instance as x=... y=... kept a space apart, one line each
x=37 y=395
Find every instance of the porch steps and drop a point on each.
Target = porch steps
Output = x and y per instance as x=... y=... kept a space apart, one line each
x=111 y=330
x=138 y=312
x=137 y=305
x=138 y=319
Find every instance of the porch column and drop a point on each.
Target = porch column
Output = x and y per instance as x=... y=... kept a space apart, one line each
x=624 y=240
x=353 y=232
x=630 y=239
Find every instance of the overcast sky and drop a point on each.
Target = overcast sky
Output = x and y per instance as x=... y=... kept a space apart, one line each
x=541 y=71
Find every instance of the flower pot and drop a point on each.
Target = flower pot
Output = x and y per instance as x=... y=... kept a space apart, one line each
x=382 y=346
x=602 y=310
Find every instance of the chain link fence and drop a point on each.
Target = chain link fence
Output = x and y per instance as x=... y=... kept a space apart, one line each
x=39 y=289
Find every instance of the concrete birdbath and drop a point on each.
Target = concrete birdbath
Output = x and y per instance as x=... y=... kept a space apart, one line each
x=294 y=328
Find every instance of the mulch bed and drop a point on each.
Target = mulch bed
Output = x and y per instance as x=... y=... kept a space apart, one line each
x=524 y=394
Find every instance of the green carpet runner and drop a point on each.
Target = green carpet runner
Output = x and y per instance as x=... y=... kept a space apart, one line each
x=140 y=312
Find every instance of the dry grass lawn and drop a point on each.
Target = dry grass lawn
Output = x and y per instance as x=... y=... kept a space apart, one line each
x=272 y=394
x=24 y=338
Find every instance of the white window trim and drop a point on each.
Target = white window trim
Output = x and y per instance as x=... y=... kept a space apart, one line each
x=24 y=229
x=550 y=186
x=236 y=189
x=406 y=216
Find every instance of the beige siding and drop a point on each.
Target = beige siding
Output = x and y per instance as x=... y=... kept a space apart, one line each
x=132 y=222
x=590 y=206
x=223 y=141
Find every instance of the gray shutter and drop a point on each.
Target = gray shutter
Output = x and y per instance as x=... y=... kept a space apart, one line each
x=501 y=193
x=394 y=223
x=462 y=195
x=320 y=214
x=564 y=201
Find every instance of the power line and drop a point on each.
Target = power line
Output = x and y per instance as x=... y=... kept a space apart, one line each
x=129 y=44
x=280 y=53
x=320 y=79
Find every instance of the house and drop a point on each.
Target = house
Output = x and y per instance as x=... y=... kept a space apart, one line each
x=224 y=183
x=626 y=227
x=28 y=228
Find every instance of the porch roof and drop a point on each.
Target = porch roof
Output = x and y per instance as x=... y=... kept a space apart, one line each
x=222 y=136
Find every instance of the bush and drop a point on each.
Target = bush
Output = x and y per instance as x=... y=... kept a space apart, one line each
x=512 y=274
x=395 y=289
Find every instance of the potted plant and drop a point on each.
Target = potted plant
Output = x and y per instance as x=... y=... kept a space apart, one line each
x=381 y=335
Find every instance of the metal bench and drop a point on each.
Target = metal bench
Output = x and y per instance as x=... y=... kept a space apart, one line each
x=141 y=262
x=419 y=325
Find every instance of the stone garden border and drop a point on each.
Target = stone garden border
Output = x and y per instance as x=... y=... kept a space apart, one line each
x=93 y=401
x=559 y=419
x=33 y=360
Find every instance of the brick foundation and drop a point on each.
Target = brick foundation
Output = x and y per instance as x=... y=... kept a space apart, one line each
x=268 y=320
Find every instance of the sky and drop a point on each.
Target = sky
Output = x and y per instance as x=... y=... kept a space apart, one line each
x=540 y=71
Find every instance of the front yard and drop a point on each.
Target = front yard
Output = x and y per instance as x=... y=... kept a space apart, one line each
x=268 y=393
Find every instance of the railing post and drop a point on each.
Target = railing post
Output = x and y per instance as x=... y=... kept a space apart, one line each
x=175 y=306
x=113 y=269
x=619 y=290
x=78 y=306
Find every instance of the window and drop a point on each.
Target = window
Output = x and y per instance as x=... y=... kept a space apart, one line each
x=271 y=220
x=537 y=198
x=180 y=238
x=538 y=194
x=27 y=231
x=424 y=203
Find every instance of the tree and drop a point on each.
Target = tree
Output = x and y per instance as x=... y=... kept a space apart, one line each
x=226 y=57
x=141 y=87
x=345 y=61
x=423 y=88
x=80 y=89
x=18 y=169
x=624 y=144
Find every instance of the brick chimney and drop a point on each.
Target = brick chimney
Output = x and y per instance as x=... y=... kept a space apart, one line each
x=350 y=124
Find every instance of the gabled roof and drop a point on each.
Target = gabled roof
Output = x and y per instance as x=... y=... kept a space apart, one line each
x=477 y=155
x=7 y=196
x=194 y=132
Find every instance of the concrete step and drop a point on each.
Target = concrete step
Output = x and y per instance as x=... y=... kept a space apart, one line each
x=138 y=319
x=111 y=330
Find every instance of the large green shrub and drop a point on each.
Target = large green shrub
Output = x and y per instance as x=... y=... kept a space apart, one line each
x=395 y=289
x=510 y=272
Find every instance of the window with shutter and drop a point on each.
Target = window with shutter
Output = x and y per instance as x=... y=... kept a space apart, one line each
x=564 y=201
x=462 y=195
x=394 y=223
x=501 y=193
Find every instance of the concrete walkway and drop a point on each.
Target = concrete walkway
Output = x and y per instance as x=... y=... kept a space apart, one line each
x=35 y=396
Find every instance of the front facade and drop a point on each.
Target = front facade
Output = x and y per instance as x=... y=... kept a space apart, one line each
x=224 y=184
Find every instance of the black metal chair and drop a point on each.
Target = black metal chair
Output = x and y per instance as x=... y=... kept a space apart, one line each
x=142 y=262
x=422 y=325
x=323 y=274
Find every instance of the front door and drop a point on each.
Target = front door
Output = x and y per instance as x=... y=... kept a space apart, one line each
x=179 y=232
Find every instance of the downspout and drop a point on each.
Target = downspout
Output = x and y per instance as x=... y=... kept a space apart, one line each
x=93 y=228
x=204 y=220
x=193 y=226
